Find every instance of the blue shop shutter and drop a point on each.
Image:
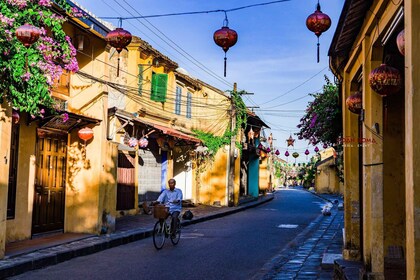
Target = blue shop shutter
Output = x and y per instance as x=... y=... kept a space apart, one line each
x=159 y=87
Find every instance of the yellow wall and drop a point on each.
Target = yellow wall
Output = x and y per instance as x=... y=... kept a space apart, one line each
x=20 y=227
x=5 y=128
x=327 y=180
x=213 y=180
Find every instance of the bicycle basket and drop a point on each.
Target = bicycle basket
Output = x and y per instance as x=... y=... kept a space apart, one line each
x=160 y=212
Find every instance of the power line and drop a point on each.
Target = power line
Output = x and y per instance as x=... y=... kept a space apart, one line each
x=197 y=12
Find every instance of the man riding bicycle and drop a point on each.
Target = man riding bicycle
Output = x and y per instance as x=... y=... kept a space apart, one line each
x=172 y=198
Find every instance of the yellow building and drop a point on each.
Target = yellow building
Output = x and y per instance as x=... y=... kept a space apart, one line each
x=381 y=188
x=326 y=177
x=57 y=182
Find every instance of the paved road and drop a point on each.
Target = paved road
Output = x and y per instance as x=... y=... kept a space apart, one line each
x=232 y=247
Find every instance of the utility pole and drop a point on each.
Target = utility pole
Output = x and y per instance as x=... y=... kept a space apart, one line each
x=231 y=175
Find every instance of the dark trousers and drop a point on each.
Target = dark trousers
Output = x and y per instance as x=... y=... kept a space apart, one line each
x=174 y=221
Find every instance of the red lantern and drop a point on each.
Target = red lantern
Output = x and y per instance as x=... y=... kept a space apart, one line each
x=15 y=116
x=316 y=149
x=385 y=80
x=119 y=39
x=225 y=38
x=354 y=103
x=27 y=34
x=401 y=42
x=85 y=134
x=318 y=22
x=277 y=152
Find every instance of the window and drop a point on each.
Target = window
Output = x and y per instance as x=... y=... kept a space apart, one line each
x=140 y=79
x=159 y=86
x=189 y=105
x=178 y=100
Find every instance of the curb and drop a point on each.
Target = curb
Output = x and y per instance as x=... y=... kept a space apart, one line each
x=56 y=254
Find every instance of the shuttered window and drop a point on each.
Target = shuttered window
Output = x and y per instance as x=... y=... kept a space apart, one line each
x=159 y=87
x=178 y=100
x=189 y=105
x=140 y=79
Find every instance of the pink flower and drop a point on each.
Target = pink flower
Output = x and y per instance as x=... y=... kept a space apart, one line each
x=25 y=77
x=45 y=3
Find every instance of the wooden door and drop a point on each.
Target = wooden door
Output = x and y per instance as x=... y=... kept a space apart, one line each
x=126 y=181
x=50 y=182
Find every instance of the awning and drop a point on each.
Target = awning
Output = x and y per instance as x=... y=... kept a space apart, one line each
x=176 y=133
x=164 y=129
x=67 y=121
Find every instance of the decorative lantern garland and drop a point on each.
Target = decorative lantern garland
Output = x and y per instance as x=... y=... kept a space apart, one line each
x=225 y=38
x=318 y=22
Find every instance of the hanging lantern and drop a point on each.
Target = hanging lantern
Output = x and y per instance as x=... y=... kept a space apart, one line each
x=286 y=153
x=325 y=146
x=251 y=135
x=143 y=142
x=225 y=38
x=15 y=116
x=119 y=39
x=290 y=141
x=268 y=150
x=260 y=146
x=295 y=155
x=401 y=42
x=277 y=152
x=385 y=80
x=307 y=152
x=316 y=149
x=354 y=103
x=133 y=142
x=27 y=34
x=318 y=22
x=85 y=134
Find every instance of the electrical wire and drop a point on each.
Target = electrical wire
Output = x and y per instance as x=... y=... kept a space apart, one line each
x=197 y=12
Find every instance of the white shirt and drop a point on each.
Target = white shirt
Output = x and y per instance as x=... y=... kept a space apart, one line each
x=168 y=196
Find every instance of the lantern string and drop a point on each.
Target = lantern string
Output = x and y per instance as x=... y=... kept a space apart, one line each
x=198 y=12
x=225 y=21
x=118 y=65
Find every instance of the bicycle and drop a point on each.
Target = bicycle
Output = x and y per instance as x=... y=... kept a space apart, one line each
x=162 y=228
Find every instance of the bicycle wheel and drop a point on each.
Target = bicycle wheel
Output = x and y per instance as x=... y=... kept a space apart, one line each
x=175 y=238
x=159 y=235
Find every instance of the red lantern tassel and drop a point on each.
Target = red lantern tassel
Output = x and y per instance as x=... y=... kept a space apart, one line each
x=317 y=52
x=118 y=65
x=225 y=65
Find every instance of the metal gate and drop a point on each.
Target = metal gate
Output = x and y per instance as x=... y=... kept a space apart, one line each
x=126 y=181
x=50 y=182
x=149 y=175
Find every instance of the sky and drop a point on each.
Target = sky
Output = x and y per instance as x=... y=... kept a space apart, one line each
x=274 y=58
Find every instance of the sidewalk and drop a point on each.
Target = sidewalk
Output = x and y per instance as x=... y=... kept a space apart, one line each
x=49 y=250
x=312 y=253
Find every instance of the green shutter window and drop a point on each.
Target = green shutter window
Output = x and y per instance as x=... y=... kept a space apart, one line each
x=159 y=86
x=140 y=80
